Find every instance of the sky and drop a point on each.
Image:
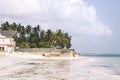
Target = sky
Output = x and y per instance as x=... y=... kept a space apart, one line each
x=93 y=24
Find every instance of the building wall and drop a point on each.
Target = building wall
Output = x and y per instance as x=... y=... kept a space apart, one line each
x=7 y=44
x=6 y=41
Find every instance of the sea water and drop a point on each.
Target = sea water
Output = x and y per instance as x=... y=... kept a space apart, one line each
x=111 y=62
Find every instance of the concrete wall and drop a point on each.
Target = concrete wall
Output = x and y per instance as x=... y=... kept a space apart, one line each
x=39 y=49
x=48 y=52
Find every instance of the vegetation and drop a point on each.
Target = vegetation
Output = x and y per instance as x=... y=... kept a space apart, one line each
x=35 y=37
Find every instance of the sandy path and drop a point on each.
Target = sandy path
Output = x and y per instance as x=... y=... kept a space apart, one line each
x=33 y=68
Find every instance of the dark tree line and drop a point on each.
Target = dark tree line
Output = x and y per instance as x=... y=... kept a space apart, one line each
x=35 y=37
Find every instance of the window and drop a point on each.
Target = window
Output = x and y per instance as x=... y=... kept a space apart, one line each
x=1 y=48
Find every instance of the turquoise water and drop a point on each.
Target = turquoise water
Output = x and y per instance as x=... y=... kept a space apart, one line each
x=111 y=62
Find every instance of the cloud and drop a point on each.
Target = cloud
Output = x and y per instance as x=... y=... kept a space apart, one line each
x=18 y=8
x=74 y=16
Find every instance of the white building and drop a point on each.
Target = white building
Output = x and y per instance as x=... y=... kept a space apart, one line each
x=7 y=42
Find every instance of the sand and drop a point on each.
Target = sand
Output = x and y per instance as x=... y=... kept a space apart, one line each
x=29 y=67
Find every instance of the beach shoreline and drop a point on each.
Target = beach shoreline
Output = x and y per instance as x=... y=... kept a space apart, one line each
x=27 y=67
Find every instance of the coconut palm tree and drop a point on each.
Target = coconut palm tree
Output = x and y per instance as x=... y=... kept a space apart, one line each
x=28 y=30
x=69 y=40
x=5 y=26
x=14 y=26
x=48 y=36
x=42 y=34
x=54 y=40
x=59 y=39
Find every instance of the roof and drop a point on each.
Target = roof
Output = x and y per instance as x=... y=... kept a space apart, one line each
x=8 y=33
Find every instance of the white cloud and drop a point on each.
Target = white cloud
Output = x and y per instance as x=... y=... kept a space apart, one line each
x=74 y=16
x=18 y=8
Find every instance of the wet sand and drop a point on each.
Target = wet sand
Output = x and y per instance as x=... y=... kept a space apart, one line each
x=19 y=67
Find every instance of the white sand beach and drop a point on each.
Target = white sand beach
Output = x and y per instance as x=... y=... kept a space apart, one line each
x=26 y=67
